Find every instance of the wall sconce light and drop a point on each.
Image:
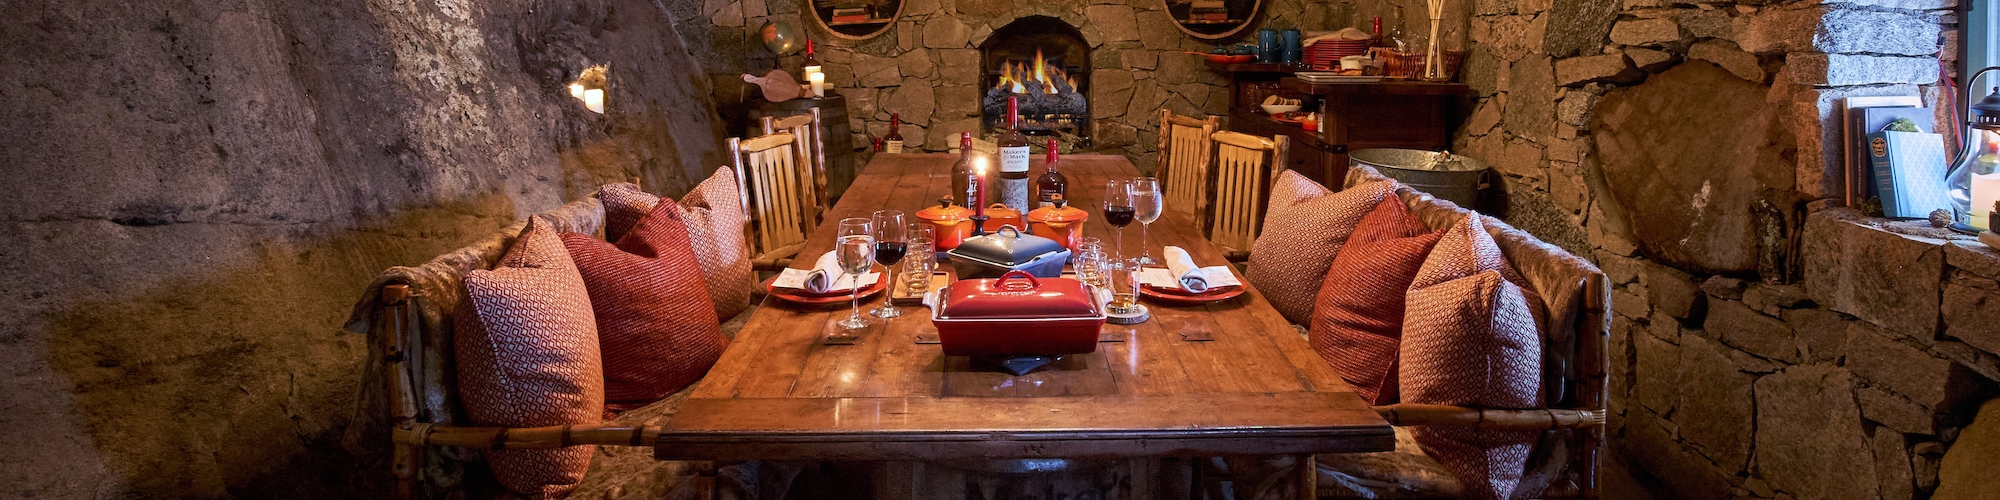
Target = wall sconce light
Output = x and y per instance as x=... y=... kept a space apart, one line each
x=589 y=87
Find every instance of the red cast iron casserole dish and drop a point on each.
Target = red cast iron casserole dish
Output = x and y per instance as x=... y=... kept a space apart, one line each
x=1017 y=314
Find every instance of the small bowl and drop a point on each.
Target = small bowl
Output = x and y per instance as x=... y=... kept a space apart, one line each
x=1279 y=108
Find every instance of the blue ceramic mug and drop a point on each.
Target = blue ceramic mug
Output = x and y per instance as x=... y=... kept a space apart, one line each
x=1291 y=46
x=1268 y=49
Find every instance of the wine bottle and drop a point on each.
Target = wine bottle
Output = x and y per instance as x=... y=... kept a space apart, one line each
x=961 y=172
x=893 y=143
x=1013 y=185
x=1051 y=186
x=811 y=64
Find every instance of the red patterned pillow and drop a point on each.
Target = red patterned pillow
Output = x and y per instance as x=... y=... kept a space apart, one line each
x=713 y=212
x=1469 y=339
x=527 y=357
x=1358 y=320
x=1304 y=228
x=654 y=322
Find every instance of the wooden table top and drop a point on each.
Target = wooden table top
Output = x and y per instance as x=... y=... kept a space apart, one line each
x=1256 y=388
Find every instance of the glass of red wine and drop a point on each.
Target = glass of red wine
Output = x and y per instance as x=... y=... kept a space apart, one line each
x=890 y=244
x=1118 y=209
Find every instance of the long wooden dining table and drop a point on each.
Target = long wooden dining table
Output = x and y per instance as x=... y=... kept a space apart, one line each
x=1153 y=389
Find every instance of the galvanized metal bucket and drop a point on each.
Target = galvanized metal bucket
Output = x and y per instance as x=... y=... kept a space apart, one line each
x=1444 y=175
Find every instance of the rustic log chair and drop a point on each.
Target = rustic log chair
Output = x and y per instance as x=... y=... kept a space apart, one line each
x=811 y=149
x=779 y=194
x=1576 y=297
x=1186 y=148
x=407 y=313
x=1240 y=180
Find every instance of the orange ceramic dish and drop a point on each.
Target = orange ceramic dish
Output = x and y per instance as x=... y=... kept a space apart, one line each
x=951 y=223
x=1000 y=215
x=1059 y=222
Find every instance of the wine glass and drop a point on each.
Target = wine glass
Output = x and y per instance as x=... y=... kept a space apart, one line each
x=1146 y=207
x=856 y=247
x=1118 y=209
x=890 y=245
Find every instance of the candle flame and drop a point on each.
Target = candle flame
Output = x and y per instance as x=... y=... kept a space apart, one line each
x=979 y=165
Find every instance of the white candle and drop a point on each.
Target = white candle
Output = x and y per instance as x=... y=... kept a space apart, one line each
x=1985 y=190
x=593 y=99
x=819 y=83
x=576 y=90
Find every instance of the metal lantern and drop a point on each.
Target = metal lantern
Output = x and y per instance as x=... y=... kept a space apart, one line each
x=1974 y=180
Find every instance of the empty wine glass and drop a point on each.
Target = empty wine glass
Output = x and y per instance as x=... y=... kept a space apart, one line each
x=1118 y=209
x=890 y=245
x=856 y=247
x=1146 y=207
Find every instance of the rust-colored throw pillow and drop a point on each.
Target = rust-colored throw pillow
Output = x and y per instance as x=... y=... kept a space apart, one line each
x=1358 y=320
x=655 y=325
x=1304 y=228
x=1469 y=339
x=713 y=211
x=527 y=357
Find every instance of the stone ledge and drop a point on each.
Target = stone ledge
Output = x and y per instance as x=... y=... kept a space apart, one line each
x=1841 y=70
x=1973 y=257
x=1888 y=279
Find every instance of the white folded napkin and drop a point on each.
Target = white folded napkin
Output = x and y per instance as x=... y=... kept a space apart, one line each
x=824 y=277
x=1182 y=273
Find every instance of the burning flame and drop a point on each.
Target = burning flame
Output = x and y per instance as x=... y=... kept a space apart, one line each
x=1018 y=76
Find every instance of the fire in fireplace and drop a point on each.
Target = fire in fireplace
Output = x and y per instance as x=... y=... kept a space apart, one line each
x=1045 y=63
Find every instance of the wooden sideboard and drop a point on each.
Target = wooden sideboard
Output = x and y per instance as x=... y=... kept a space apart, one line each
x=1386 y=114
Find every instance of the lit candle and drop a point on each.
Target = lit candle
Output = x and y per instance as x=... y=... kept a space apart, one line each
x=1985 y=190
x=593 y=99
x=818 y=83
x=576 y=90
x=979 y=184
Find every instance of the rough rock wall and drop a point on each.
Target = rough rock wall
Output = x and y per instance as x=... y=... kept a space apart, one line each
x=195 y=193
x=926 y=67
x=1765 y=344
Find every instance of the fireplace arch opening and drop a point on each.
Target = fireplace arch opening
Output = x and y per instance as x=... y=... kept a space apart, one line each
x=1044 y=62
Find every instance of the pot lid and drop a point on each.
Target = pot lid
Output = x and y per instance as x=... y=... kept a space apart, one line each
x=1007 y=247
x=945 y=211
x=998 y=211
x=1061 y=212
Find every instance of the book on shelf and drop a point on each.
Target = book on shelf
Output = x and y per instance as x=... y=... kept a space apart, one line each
x=849 y=19
x=1860 y=177
x=1209 y=4
x=1909 y=172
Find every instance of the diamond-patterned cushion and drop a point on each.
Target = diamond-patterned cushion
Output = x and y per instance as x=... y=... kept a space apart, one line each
x=1358 y=320
x=1469 y=339
x=1304 y=228
x=655 y=325
x=528 y=357
x=713 y=212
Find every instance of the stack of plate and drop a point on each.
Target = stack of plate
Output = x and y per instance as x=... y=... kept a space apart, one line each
x=1328 y=77
x=1327 y=53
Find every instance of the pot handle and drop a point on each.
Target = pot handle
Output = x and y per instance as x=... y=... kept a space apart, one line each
x=1009 y=227
x=1004 y=282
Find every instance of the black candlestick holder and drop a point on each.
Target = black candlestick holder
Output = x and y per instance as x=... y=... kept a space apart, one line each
x=979 y=225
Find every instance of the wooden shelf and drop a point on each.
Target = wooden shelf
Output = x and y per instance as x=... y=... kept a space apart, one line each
x=859 y=23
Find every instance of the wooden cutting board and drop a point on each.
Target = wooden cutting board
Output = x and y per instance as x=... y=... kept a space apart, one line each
x=778 y=85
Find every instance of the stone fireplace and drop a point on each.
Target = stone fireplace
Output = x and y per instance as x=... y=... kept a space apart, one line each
x=1044 y=62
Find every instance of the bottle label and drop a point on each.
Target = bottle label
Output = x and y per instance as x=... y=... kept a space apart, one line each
x=1047 y=197
x=1014 y=159
x=892 y=146
x=1014 y=193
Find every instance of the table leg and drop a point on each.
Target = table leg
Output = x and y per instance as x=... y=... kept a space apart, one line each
x=1308 y=480
x=704 y=482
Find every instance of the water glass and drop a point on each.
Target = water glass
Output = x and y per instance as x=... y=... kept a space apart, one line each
x=1123 y=275
x=1146 y=208
x=919 y=265
x=856 y=252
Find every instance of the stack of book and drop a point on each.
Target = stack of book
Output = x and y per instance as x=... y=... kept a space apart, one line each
x=1208 y=11
x=852 y=12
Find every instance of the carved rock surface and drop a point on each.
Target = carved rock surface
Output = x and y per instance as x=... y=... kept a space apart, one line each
x=1809 y=437
x=1689 y=207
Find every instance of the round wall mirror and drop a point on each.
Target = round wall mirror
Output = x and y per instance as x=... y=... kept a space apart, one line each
x=1212 y=19
x=856 y=19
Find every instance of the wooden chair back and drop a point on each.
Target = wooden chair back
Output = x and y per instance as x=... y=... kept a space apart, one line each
x=811 y=150
x=1244 y=167
x=778 y=193
x=1186 y=150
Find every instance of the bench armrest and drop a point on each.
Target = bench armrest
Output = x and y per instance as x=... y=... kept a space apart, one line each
x=1407 y=414
x=515 y=438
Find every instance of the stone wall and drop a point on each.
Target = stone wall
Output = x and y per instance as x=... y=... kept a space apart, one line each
x=926 y=67
x=1765 y=343
x=197 y=192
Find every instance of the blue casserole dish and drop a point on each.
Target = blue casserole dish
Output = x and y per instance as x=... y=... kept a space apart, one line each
x=1009 y=249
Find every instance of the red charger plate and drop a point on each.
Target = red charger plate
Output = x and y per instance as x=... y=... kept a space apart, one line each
x=798 y=296
x=1176 y=296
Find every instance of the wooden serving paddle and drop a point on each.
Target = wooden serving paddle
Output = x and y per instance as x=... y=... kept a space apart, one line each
x=778 y=85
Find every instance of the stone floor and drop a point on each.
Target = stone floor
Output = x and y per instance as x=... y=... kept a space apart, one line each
x=1617 y=479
